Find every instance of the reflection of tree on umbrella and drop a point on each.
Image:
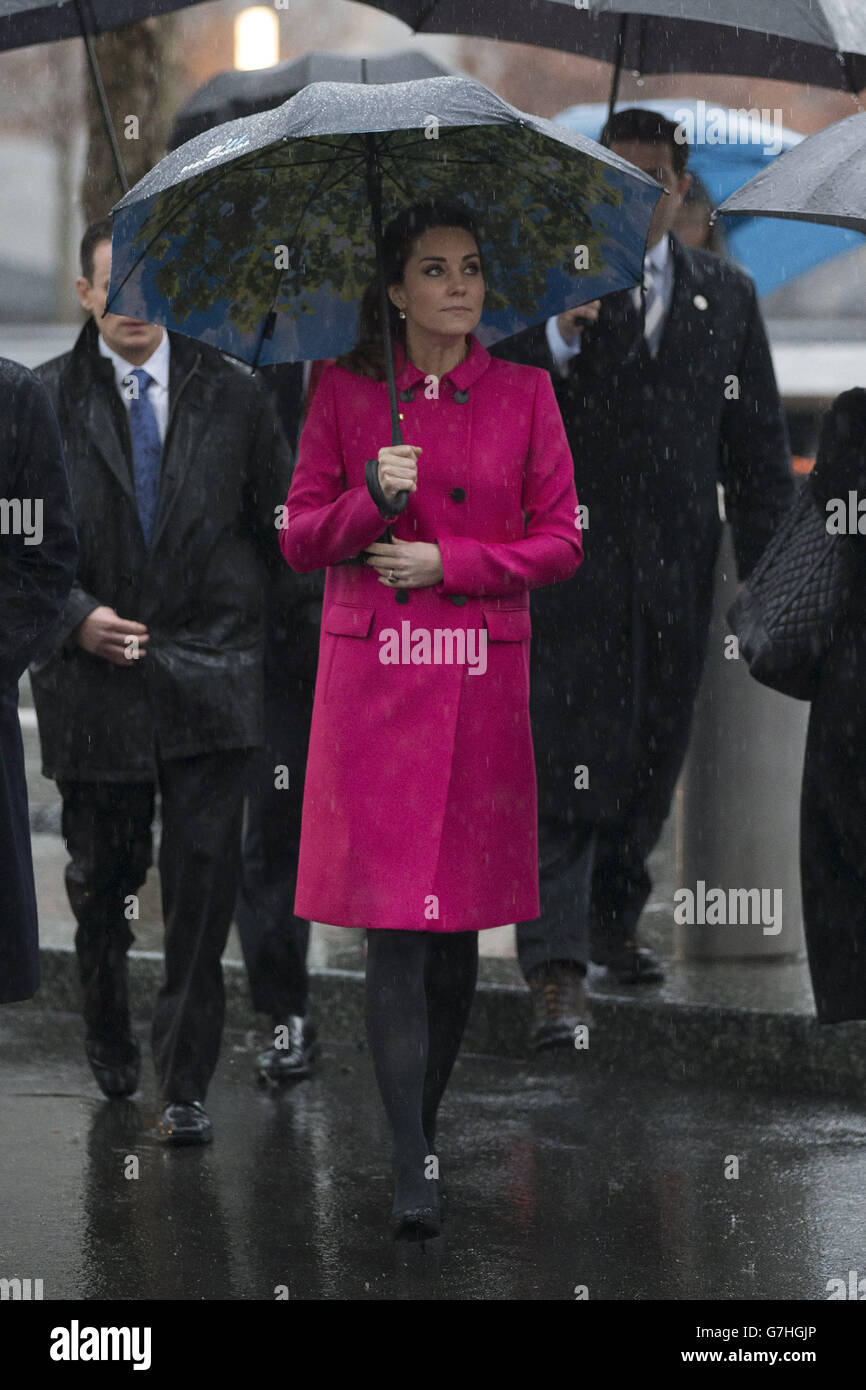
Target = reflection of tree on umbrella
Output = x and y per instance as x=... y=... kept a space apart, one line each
x=259 y=237
x=323 y=245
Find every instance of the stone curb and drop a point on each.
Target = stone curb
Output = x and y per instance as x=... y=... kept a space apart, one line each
x=719 y=1045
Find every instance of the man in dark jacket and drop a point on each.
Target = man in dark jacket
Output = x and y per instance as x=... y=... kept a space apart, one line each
x=37 y=566
x=178 y=470
x=273 y=939
x=662 y=402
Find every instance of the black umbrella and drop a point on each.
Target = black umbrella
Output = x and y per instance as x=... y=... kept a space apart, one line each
x=823 y=179
x=233 y=94
x=25 y=22
x=822 y=42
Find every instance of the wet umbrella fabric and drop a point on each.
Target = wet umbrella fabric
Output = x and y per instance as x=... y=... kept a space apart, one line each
x=822 y=42
x=821 y=180
x=259 y=237
x=236 y=93
x=23 y=22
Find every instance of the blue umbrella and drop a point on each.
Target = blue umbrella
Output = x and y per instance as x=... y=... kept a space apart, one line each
x=727 y=148
x=261 y=235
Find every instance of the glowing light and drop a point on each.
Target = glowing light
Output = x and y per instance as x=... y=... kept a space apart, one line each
x=257 y=38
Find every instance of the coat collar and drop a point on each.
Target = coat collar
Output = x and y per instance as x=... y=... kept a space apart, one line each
x=87 y=363
x=90 y=378
x=464 y=375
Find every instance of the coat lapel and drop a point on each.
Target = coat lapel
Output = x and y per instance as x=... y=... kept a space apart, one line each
x=682 y=307
x=90 y=377
x=187 y=426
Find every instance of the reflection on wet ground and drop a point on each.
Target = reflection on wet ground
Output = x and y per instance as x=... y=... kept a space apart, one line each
x=560 y=1175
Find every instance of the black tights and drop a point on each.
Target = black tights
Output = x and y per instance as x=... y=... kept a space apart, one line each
x=419 y=991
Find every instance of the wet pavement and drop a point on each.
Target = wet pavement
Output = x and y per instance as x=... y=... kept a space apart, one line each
x=561 y=1175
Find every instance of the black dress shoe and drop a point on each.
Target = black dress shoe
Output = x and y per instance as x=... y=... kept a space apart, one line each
x=115 y=1065
x=185 y=1122
x=630 y=963
x=559 y=1003
x=292 y=1061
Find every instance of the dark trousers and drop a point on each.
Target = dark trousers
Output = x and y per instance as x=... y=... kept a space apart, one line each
x=593 y=876
x=566 y=853
x=108 y=832
x=593 y=883
x=273 y=939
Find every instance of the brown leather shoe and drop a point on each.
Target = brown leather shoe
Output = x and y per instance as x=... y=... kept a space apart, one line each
x=559 y=1003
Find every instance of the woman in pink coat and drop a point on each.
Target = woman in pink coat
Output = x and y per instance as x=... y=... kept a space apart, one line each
x=419 y=819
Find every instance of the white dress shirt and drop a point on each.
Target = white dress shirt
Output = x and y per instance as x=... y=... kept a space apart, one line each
x=660 y=261
x=157 y=366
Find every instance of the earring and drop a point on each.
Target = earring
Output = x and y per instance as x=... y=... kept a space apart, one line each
x=402 y=314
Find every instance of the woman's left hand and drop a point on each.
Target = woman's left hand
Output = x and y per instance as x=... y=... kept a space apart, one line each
x=411 y=564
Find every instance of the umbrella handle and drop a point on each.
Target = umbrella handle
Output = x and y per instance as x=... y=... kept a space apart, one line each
x=374 y=190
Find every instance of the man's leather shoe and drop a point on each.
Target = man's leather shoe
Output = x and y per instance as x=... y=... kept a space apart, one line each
x=559 y=1003
x=630 y=963
x=185 y=1122
x=115 y=1065
x=291 y=1061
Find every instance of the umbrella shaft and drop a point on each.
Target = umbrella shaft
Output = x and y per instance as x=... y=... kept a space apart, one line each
x=103 y=100
x=374 y=188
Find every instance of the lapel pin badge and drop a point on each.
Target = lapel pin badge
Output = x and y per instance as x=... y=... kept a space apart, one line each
x=699 y=302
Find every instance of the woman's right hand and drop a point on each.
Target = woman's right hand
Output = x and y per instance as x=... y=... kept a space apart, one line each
x=398 y=469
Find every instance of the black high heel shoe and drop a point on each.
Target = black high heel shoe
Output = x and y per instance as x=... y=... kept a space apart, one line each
x=417 y=1223
x=417 y=1220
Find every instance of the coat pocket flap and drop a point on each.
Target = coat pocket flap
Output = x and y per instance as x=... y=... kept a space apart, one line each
x=344 y=620
x=508 y=624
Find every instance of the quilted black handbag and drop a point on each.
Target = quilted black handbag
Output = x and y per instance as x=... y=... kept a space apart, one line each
x=785 y=614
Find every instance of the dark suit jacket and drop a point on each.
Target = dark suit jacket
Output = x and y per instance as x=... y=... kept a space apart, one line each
x=618 y=651
x=37 y=566
x=295 y=600
x=200 y=589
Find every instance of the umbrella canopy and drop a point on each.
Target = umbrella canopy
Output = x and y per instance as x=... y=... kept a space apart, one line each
x=726 y=149
x=23 y=22
x=260 y=236
x=822 y=42
x=231 y=95
x=822 y=180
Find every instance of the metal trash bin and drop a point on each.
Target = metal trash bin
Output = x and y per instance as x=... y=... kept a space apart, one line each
x=738 y=807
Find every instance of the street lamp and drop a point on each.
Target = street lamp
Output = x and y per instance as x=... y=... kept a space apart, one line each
x=257 y=38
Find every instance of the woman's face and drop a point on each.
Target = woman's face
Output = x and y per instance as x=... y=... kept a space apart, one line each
x=442 y=291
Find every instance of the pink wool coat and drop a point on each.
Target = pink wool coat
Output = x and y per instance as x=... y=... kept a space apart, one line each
x=420 y=798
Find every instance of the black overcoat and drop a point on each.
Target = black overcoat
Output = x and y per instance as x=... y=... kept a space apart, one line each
x=833 y=810
x=617 y=651
x=200 y=589
x=37 y=566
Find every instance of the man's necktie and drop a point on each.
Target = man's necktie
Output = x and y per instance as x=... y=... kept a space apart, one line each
x=655 y=308
x=146 y=452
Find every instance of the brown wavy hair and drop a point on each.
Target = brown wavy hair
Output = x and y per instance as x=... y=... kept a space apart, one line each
x=367 y=357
